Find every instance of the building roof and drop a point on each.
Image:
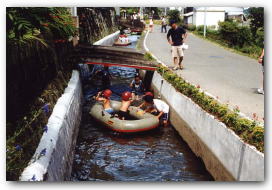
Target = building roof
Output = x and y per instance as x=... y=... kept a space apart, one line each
x=229 y=10
x=188 y=14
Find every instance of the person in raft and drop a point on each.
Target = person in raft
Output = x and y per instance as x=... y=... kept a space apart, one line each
x=156 y=107
x=123 y=112
x=123 y=38
x=104 y=96
x=105 y=77
x=137 y=87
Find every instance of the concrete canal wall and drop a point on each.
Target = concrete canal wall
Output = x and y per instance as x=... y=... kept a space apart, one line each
x=225 y=155
x=53 y=158
x=108 y=40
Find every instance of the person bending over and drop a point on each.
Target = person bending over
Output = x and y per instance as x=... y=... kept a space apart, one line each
x=156 y=107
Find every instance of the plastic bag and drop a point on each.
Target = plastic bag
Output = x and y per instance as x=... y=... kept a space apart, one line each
x=185 y=46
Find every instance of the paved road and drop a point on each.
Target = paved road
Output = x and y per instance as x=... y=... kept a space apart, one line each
x=233 y=78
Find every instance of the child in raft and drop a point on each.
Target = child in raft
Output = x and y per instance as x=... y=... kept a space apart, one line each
x=105 y=98
x=123 y=38
x=137 y=87
x=156 y=107
x=123 y=112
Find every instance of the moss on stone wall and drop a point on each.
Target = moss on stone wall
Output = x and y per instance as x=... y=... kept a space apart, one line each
x=96 y=23
x=22 y=144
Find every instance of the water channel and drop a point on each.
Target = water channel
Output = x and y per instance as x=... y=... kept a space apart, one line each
x=105 y=155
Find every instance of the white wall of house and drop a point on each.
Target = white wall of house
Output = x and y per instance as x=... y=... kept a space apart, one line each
x=190 y=20
x=212 y=18
x=214 y=15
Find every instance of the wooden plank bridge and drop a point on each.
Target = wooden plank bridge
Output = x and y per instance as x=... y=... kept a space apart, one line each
x=111 y=56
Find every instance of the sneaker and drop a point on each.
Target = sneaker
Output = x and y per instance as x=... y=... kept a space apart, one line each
x=260 y=91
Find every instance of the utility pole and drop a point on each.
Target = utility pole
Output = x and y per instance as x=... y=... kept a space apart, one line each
x=141 y=13
x=117 y=11
x=75 y=19
x=205 y=24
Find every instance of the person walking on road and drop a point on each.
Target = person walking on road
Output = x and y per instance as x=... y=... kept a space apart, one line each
x=178 y=36
x=163 y=24
x=151 y=25
x=261 y=61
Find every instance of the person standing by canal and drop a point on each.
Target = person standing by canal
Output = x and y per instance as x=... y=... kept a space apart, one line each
x=134 y=19
x=178 y=36
x=261 y=61
x=163 y=24
x=106 y=77
x=151 y=25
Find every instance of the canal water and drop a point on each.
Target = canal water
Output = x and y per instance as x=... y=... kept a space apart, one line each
x=104 y=155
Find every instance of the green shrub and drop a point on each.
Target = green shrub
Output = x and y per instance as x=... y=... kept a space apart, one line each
x=148 y=56
x=228 y=31
x=191 y=27
x=200 y=28
x=260 y=37
x=252 y=50
x=244 y=37
x=212 y=27
x=235 y=34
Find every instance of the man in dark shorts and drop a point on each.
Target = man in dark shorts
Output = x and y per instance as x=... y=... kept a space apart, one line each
x=163 y=24
x=123 y=112
x=178 y=35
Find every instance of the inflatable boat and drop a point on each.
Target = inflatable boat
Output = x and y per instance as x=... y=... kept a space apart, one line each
x=143 y=122
x=136 y=31
x=118 y=43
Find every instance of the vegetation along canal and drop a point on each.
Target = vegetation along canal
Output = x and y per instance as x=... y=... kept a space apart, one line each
x=104 y=155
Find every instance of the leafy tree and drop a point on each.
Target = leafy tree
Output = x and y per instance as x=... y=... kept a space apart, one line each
x=174 y=15
x=256 y=15
x=25 y=24
x=130 y=10
x=153 y=11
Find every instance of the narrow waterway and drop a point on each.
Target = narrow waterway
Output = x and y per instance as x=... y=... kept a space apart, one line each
x=104 y=155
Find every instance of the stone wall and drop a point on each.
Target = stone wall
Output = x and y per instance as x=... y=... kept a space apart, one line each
x=96 y=23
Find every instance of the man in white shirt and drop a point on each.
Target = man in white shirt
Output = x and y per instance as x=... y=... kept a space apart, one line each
x=156 y=107
x=163 y=24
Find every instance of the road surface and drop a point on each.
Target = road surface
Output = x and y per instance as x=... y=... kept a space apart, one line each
x=231 y=77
